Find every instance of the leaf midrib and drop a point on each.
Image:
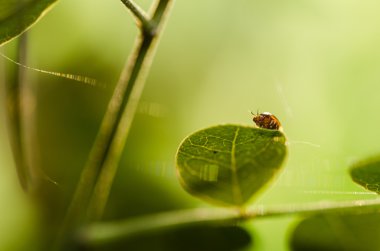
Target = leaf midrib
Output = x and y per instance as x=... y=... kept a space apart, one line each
x=236 y=192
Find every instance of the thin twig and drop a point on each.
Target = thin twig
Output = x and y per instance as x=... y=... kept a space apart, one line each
x=107 y=232
x=141 y=16
x=134 y=75
x=106 y=151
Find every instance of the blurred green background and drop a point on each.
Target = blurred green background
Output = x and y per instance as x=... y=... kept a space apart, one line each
x=314 y=64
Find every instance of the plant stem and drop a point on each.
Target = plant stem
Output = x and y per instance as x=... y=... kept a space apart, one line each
x=100 y=233
x=115 y=147
x=13 y=90
x=141 y=16
x=98 y=173
x=134 y=75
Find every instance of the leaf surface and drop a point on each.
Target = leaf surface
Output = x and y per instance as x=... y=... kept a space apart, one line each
x=367 y=174
x=18 y=15
x=228 y=164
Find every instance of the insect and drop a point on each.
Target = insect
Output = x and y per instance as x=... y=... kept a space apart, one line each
x=266 y=120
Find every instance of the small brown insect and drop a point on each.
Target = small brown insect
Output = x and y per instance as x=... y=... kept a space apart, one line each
x=266 y=120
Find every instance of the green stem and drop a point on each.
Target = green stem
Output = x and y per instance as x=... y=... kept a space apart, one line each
x=14 y=111
x=134 y=75
x=97 y=176
x=107 y=232
x=141 y=16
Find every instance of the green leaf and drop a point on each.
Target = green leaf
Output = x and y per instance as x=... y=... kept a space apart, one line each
x=333 y=232
x=227 y=164
x=367 y=174
x=18 y=15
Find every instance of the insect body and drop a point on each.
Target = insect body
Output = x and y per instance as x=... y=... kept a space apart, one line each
x=266 y=120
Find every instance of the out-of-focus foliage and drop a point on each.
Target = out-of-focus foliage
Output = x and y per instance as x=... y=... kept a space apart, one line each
x=189 y=238
x=367 y=174
x=334 y=232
